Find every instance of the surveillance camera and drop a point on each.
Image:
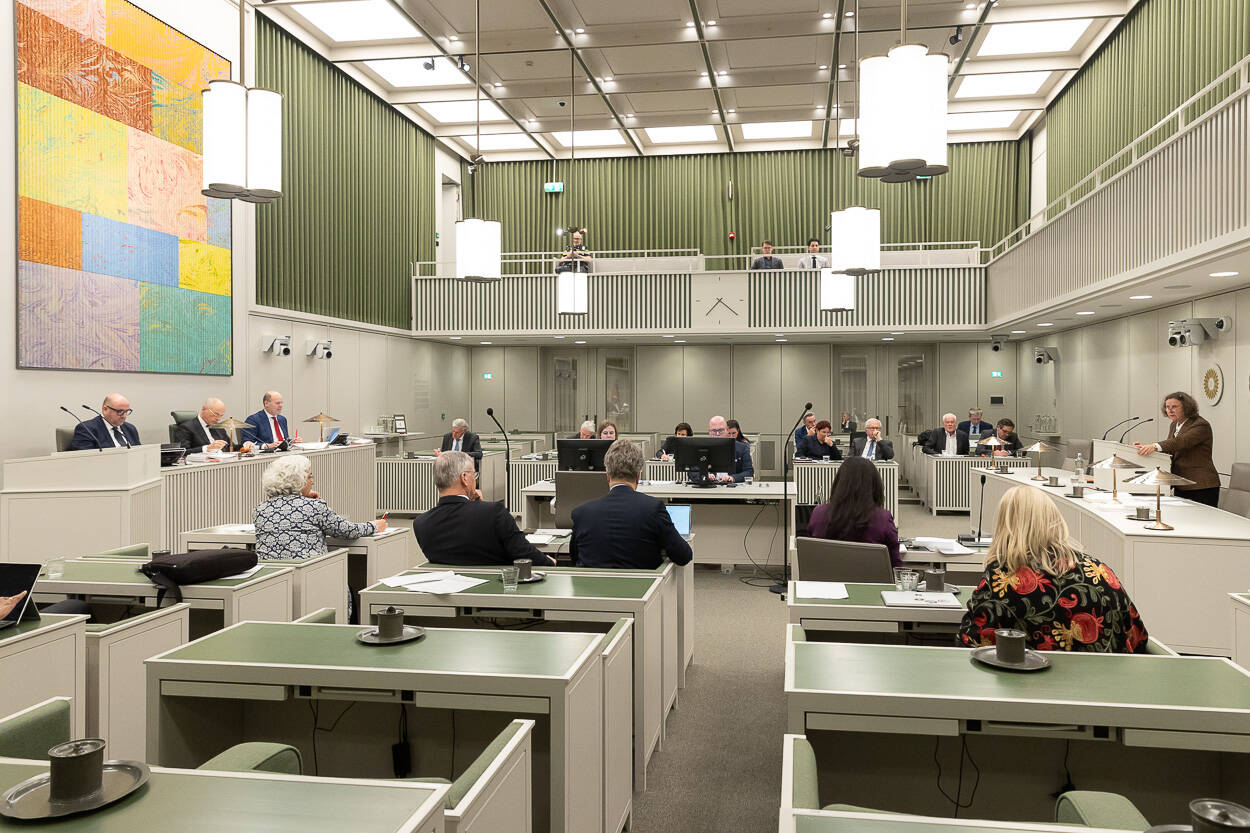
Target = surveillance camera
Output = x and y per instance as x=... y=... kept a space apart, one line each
x=429 y=64
x=997 y=342
x=277 y=345
x=1039 y=356
x=1045 y=355
x=320 y=349
x=563 y=103
x=958 y=36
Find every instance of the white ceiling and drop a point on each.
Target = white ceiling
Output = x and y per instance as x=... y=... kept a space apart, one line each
x=636 y=65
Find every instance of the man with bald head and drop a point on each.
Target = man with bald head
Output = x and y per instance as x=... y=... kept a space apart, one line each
x=201 y=434
x=110 y=429
x=267 y=427
x=742 y=467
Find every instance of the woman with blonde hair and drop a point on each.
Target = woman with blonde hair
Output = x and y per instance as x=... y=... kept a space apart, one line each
x=1038 y=581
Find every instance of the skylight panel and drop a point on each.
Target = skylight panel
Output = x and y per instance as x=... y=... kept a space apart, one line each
x=411 y=72
x=591 y=138
x=501 y=141
x=778 y=130
x=1037 y=38
x=999 y=120
x=679 y=135
x=1002 y=84
x=462 y=112
x=363 y=20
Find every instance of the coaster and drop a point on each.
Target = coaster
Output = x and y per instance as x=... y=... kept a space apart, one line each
x=988 y=655
x=1074 y=497
x=1055 y=486
x=369 y=636
x=534 y=578
x=29 y=799
x=1134 y=517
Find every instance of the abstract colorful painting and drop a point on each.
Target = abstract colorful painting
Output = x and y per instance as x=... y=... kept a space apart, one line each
x=122 y=263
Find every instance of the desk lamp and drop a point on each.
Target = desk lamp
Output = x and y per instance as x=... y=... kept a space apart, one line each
x=1038 y=448
x=1113 y=462
x=231 y=426
x=1159 y=478
x=322 y=418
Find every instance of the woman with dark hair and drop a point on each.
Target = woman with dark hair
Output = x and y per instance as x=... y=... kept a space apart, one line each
x=683 y=429
x=735 y=431
x=856 y=509
x=606 y=430
x=1189 y=442
x=819 y=444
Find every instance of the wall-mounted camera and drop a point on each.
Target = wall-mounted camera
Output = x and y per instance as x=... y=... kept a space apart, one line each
x=277 y=345
x=998 y=341
x=563 y=103
x=321 y=349
x=1190 y=332
x=1045 y=355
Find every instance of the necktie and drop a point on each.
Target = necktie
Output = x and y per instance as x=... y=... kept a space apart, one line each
x=455 y=446
x=813 y=261
x=121 y=441
x=868 y=451
x=277 y=430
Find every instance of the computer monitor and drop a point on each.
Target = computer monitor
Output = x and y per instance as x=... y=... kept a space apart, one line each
x=680 y=513
x=699 y=456
x=582 y=455
x=15 y=579
x=573 y=488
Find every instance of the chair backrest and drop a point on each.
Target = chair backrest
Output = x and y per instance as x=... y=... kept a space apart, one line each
x=1085 y=447
x=1236 y=501
x=1240 y=477
x=573 y=488
x=173 y=439
x=323 y=616
x=857 y=434
x=64 y=438
x=31 y=732
x=182 y=416
x=130 y=551
x=818 y=559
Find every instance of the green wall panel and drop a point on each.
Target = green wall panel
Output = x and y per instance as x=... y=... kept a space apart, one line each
x=670 y=202
x=1164 y=52
x=359 y=189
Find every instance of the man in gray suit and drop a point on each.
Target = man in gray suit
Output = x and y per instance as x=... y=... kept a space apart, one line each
x=871 y=445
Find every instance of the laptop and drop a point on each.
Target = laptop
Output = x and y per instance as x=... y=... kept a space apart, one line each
x=16 y=579
x=680 y=513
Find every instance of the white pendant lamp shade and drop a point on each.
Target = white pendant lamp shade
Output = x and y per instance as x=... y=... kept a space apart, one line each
x=837 y=291
x=902 y=123
x=855 y=240
x=264 y=144
x=572 y=293
x=225 y=139
x=478 y=250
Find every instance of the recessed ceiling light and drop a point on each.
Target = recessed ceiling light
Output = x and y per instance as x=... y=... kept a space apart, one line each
x=1086 y=312
x=679 y=135
x=723 y=73
x=1033 y=38
x=689 y=24
x=580 y=31
x=462 y=112
x=483 y=342
x=703 y=75
x=716 y=112
x=533 y=121
x=668 y=336
x=850 y=14
x=777 y=130
x=1140 y=297
x=1045 y=324
x=629 y=115
x=841 y=66
x=557 y=336
x=411 y=72
x=827 y=15
x=1018 y=332
x=996 y=84
x=970 y=6
x=731 y=111
x=1225 y=274
x=590 y=138
x=824 y=66
x=453 y=38
x=608 y=78
x=711 y=23
x=998 y=120
x=886 y=338
x=578 y=341
x=779 y=340
x=679 y=341
x=1178 y=286
x=356 y=21
x=454 y=338
x=498 y=84
x=500 y=141
x=898 y=334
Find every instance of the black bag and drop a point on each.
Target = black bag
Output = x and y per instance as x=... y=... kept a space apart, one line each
x=170 y=572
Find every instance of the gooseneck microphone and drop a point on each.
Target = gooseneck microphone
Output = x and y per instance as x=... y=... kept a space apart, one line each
x=1117 y=425
x=507 y=461
x=98 y=447
x=780 y=586
x=93 y=410
x=1135 y=427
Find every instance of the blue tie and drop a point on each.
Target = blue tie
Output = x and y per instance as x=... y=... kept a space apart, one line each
x=868 y=451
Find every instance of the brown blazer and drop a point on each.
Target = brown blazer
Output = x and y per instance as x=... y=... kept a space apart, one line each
x=1191 y=453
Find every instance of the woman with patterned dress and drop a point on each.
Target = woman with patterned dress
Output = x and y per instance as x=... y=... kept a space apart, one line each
x=1036 y=580
x=293 y=521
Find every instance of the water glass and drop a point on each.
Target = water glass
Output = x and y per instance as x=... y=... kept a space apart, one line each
x=55 y=568
x=909 y=580
x=509 y=576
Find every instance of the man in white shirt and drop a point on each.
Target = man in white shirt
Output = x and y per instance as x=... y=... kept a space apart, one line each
x=813 y=258
x=871 y=445
x=268 y=426
x=947 y=441
x=200 y=434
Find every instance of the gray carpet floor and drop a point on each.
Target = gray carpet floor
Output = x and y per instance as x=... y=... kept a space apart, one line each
x=720 y=768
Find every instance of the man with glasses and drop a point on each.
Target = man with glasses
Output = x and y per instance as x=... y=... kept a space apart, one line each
x=463 y=529
x=201 y=434
x=110 y=429
x=872 y=445
x=743 y=467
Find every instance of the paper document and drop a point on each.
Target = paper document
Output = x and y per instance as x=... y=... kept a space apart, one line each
x=253 y=571
x=907 y=598
x=946 y=546
x=820 y=590
x=538 y=540
x=408 y=579
x=310 y=446
x=554 y=533
x=390 y=530
x=451 y=584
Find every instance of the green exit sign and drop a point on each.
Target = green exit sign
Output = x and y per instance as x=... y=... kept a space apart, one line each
x=488 y=375
x=996 y=373
x=553 y=187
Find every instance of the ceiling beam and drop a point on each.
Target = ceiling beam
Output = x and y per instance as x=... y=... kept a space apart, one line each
x=833 y=109
x=711 y=71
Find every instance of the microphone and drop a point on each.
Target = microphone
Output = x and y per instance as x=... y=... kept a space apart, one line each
x=980 y=517
x=98 y=447
x=507 y=461
x=1117 y=425
x=780 y=586
x=1132 y=427
x=94 y=411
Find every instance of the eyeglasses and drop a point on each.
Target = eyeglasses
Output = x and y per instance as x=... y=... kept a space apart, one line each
x=126 y=412
x=718 y=432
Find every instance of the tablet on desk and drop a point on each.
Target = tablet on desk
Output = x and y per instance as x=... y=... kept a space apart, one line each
x=16 y=579
x=680 y=513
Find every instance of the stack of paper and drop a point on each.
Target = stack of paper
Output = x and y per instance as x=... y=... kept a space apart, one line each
x=946 y=546
x=554 y=533
x=820 y=590
x=538 y=540
x=909 y=598
x=252 y=570
x=437 y=582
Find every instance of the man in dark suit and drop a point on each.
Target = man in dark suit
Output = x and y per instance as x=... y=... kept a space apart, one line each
x=742 y=467
x=974 y=426
x=625 y=528
x=846 y=425
x=460 y=438
x=871 y=445
x=768 y=261
x=267 y=427
x=464 y=530
x=110 y=429
x=201 y=434
x=1005 y=430
x=947 y=440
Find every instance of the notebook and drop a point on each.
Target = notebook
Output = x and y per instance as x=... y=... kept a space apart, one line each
x=907 y=598
x=680 y=513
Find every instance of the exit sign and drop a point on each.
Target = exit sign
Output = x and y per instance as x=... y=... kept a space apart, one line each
x=996 y=373
x=488 y=375
x=553 y=187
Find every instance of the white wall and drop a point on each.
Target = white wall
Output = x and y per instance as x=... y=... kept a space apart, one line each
x=1120 y=368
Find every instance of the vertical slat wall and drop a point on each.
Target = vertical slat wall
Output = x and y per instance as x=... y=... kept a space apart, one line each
x=1163 y=53
x=668 y=202
x=929 y=297
x=1192 y=191
x=358 y=193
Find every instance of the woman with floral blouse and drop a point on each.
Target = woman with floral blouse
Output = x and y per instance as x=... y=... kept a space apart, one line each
x=1036 y=580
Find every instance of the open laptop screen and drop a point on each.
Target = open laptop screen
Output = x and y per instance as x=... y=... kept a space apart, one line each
x=680 y=513
x=15 y=578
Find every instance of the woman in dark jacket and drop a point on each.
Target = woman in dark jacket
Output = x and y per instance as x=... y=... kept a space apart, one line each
x=856 y=509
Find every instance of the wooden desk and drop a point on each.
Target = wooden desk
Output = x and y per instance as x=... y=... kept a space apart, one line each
x=45 y=658
x=943 y=481
x=864 y=612
x=813 y=481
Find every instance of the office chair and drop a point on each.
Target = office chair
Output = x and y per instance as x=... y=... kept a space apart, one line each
x=573 y=488
x=819 y=559
x=64 y=438
x=1236 y=498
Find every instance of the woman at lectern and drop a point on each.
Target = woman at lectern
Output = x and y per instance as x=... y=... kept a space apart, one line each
x=1038 y=581
x=1189 y=442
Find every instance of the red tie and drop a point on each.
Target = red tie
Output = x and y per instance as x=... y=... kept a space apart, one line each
x=277 y=431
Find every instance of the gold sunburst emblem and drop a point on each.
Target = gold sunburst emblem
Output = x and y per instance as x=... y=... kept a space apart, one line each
x=1213 y=384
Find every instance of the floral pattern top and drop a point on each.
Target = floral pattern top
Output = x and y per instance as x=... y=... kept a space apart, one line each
x=1084 y=609
x=292 y=527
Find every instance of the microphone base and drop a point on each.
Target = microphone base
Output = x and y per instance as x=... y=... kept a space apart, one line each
x=779 y=588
